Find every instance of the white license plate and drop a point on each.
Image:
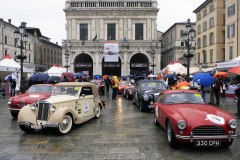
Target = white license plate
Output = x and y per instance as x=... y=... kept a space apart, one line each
x=150 y=106
x=202 y=143
x=36 y=126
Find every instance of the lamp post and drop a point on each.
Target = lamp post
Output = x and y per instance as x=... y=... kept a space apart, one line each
x=21 y=36
x=66 y=59
x=153 y=52
x=188 y=38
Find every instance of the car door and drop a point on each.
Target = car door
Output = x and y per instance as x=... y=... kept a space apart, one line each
x=86 y=103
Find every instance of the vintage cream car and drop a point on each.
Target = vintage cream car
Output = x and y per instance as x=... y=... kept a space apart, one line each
x=70 y=103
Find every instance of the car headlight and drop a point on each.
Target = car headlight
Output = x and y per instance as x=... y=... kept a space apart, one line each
x=33 y=106
x=181 y=124
x=52 y=108
x=233 y=123
x=130 y=92
x=145 y=97
x=10 y=101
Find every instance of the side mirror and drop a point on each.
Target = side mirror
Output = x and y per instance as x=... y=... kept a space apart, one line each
x=82 y=95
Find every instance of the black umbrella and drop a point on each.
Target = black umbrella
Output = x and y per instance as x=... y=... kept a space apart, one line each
x=39 y=77
x=54 y=79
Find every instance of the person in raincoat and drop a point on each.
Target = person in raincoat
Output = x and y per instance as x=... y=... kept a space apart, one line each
x=115 y=83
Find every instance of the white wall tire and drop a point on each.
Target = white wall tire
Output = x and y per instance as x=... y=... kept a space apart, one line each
x=66 y=125
x=97 y=111
x=170 y=135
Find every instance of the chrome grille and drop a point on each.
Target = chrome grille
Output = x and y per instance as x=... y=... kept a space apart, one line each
x=208 y=131
x=43 y=110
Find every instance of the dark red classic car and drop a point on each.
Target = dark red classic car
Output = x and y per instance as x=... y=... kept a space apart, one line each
x=34 y=93
x=122 y=84
x=186 y=118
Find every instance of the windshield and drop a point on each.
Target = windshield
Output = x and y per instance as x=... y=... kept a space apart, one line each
x=159 y=85
x=176 y=98
x=124 y=82
x=65 y=90
x=34 y=89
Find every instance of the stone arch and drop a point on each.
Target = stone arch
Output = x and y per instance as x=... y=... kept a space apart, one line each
x=83 y=62
x=139 y=63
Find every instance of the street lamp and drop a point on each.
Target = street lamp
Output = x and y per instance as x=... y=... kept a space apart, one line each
x=153 y=52
x=66 y=59
x=21 y=36
x=188 y=38
x=67 y=47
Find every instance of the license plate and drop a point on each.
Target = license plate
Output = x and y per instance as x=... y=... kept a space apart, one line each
x=150 y=106
x=202 y=143
x=36 y=126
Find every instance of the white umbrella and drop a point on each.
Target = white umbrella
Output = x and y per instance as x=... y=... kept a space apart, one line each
x=10 y=77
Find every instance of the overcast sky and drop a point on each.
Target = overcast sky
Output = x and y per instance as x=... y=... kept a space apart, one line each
x=48 y=15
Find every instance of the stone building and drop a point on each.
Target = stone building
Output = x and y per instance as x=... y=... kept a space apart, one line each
x=40 y=53
x=210 y=35
x=172 y=48
x=129 y=26
x=232 y=29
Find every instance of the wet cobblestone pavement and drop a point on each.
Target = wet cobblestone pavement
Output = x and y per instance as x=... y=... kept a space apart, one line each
x=122 y=132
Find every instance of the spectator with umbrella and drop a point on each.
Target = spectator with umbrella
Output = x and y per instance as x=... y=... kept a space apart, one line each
x=38 y=78
x=204 y=80
x=217 y=88
x=13 y=84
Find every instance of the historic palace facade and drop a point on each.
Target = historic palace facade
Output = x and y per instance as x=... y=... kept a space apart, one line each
x=128 y=25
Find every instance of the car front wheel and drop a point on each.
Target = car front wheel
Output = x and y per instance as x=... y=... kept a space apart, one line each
x=142 y=109
x=66 y=125
x=156 y=121
x=25 y=129
x=170 y=135
x=14 y=114
x=97 y=111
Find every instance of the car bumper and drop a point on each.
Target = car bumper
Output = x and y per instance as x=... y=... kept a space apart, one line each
x=14 y=109
x=48 y=125
x=192 y=137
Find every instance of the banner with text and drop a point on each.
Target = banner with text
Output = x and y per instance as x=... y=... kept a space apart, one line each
x=111 y=52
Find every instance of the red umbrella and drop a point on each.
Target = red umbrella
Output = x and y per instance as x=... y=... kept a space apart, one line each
x=220 y=74
x=235 y=70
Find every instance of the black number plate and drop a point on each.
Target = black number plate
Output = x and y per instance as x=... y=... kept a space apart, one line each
x=203 y=143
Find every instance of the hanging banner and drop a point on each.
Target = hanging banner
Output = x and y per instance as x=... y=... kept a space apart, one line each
x=111 y=52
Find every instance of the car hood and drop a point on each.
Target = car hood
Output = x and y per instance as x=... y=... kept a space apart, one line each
x=199 y=114
x=154 y=91
x=29 y=98
x=61 y=98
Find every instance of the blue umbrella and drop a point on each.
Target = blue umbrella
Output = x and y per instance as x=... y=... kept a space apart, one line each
x=54 y=79
x=203 y=79
x=10 y=77
x=97 y=76
x=78 y=75
x=38 y=77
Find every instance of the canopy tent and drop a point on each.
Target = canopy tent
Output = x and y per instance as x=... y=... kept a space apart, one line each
x=183 y=71
x=55 y=71
x=8 y=64
x=175 y=67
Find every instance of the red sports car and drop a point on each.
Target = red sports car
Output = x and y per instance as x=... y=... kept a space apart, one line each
x=34 y=93
x=186 y=118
